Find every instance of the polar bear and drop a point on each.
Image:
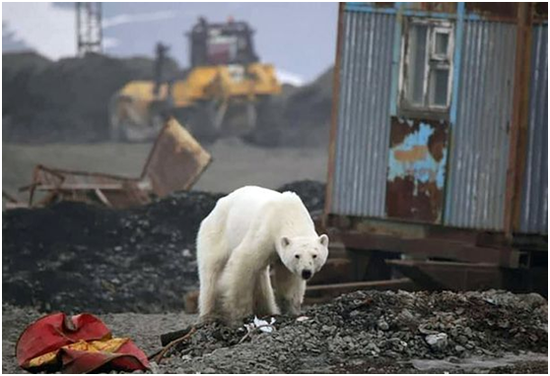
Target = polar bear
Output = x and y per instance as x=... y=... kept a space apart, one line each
x=248 y=231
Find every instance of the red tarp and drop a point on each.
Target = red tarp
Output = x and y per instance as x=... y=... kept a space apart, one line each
x=78 y=344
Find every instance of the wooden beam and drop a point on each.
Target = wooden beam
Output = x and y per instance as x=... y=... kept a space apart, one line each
x=334 y=115
x=520 y=119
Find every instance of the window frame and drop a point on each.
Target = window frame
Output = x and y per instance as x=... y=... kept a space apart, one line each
x=432 y=62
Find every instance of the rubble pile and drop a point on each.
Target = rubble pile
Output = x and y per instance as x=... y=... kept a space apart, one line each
x=368 y=326
x=76 y=257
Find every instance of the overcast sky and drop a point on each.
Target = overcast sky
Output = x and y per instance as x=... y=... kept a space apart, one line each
x=298 y=38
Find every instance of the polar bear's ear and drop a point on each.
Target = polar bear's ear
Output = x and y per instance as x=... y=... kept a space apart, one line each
x=323 y=239
x=285 y=242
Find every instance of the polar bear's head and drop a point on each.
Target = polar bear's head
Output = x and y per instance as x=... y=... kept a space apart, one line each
x=304 y=256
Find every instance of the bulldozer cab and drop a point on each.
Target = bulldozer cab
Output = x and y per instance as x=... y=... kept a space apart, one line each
x=221 y=44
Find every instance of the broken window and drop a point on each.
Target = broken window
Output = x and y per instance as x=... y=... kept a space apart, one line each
x=426 y=71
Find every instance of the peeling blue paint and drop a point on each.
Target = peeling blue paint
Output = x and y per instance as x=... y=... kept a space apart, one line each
x=424 y=170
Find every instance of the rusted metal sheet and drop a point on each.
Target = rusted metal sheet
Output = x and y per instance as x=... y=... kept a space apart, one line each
x=439 y=7
x=109 y=190
x=176 y=160
x=175 y=163
x=534 y=210
x=495 y=9
x=478 y=158
x=362 y=139
x=416 y=169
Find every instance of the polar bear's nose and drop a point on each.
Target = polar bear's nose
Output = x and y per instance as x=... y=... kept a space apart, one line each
x=306 y=274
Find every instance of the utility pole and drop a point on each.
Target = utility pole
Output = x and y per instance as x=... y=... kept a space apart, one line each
x=88 y=28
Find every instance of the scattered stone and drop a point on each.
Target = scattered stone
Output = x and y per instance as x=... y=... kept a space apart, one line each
x=437 y=342
x=382 y=324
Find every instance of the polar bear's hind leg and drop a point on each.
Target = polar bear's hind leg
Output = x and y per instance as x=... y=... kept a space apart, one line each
x=211 y=257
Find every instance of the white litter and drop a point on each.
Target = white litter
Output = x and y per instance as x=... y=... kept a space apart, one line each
x=264 y=324
x=302 y=318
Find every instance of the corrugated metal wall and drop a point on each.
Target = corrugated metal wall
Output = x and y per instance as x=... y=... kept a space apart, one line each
x=363 y=119
x=479 y=147
x=534 y=211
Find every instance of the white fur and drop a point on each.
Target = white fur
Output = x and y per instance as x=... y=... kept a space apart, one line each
x=249 y=230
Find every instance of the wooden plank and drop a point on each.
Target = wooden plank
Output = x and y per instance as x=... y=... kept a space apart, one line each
x=81 y=186
x=334 y=115
x=434 y=248
x=334 y=290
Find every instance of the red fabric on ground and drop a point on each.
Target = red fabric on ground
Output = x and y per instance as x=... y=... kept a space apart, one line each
x=50 y=333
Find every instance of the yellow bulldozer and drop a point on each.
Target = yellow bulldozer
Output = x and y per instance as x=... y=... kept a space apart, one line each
x=225 y=92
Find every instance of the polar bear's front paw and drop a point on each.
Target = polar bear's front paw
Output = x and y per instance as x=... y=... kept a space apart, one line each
x=288 y=307
x=206 y=319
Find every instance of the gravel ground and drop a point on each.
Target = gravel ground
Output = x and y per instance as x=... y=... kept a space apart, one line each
x=365 y=331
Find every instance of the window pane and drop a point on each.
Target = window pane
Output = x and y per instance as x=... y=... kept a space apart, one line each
x=441 y=43
x=439 y=83
x=416 y=73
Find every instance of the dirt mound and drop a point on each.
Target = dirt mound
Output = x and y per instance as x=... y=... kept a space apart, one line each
x=300 y=117
x=366 y=327
x=66 y=100
x=75 y=257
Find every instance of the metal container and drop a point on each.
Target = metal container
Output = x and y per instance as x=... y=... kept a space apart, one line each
x=363 y=117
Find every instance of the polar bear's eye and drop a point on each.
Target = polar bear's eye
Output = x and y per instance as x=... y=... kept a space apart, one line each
x=297 y=256
x=314 y=256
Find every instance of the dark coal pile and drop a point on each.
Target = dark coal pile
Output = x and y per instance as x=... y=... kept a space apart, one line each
x=368 y=328
x=311 y=192
x=308 y=112
x=75 y=257
x=66 y=100
x=299 y=117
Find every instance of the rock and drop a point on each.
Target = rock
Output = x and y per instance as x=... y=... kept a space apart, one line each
x=382 y=324
x=437 y=342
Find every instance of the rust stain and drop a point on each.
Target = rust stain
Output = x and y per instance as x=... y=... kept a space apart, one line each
x=437 y=7
x=403 y=202
x=501 y=10
x=541 y=10
x=438 y=140
x=384 y=5
x=418 y=152
x=400 y=129
x=416 y=170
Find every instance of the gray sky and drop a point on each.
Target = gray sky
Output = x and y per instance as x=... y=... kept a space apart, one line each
x=298 y=38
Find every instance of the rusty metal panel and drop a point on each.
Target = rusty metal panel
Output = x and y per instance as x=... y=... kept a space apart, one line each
x=416 y=170
x=362 y=138
x=534 y=208
x=176 y=160
x=479 y=152
x=110 y=190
